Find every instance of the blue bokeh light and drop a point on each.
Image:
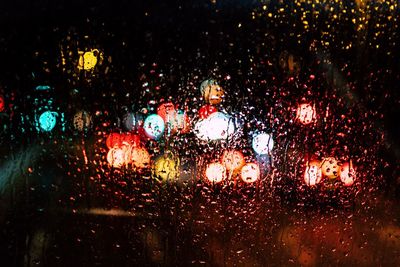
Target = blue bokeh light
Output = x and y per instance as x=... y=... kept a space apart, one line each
x=154 y=126
x=47 y=120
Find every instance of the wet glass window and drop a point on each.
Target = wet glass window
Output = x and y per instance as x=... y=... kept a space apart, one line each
x=200 y=133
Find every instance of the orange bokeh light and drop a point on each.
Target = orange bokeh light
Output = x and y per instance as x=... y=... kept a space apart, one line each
x=313 y=173
x=306 y=113
x=168 y=113
x=140 y=158
x=213 y=94
x=347 y=174
x=215 y=172
x=116 y=157
x=233 y=160
x=166 y=110
x=330 y=168
x=250 y=172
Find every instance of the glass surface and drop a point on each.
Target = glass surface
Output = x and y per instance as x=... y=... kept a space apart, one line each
x=199 y=133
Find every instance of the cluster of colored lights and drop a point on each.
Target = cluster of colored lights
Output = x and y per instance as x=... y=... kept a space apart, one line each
x=128 y=150
x=168 y=119
x=232 y=165
x=125 y=150
x=330 y=169
x=211 y=126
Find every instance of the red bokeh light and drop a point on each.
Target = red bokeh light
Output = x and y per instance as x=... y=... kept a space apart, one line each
x=121 y=139
x=2 y=104
x=168 y=113
x=114 y=140
x=206 y=111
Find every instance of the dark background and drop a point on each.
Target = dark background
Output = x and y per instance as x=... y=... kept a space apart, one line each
x=188 y=41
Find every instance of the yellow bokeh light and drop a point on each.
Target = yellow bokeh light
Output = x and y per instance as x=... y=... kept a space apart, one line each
x=88 y=60
x=166 y=167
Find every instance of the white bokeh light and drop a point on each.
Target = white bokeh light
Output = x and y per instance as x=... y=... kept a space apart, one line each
x=262 y=143
x=215 y=172
x=217 y=126
x=154 y=126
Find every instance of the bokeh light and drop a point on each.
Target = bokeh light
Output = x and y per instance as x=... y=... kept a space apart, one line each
x=116 y=157
x=129 y=120
x=217 y=126
x=250 y=172
x=313 y=173
x=114 y=140
x=168 y=113
x=262 y=143
x=212 y=92
x=154 y=126
x=2 y=103
x=330 y=168
x=306 y=113
x=140 y=158
x=88 y=60
x=82 y=120
x=182 y=122
x=233 y=160
x=131 y=139
x=166 y=167
x=215 y=172
x=43 y=88
x=48 y=120
x=347 y=174
x=206 y=111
